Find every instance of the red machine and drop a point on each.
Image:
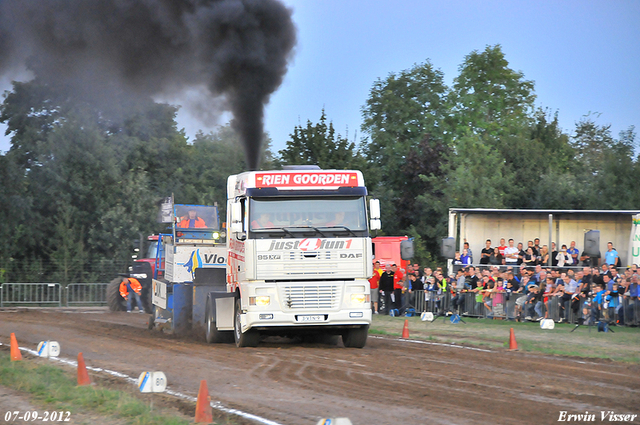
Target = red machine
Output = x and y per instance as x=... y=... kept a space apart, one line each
x=387 y=250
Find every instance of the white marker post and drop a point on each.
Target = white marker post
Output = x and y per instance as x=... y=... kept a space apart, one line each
x=48 y=349
x=152 y=382
x=334 y=421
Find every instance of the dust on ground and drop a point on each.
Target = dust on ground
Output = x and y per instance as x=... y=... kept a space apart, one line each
x=387 y=382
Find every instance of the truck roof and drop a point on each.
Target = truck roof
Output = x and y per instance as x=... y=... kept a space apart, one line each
x=238 y=184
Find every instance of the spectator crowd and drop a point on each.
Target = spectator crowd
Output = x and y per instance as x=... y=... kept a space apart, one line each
x=534 y=254
x=513 y=283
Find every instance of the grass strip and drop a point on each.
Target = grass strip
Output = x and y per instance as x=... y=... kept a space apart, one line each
x=585 y=342
x=56 y=388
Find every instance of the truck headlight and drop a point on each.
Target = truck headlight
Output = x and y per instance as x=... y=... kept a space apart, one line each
x=260 y=300
x=359 y=298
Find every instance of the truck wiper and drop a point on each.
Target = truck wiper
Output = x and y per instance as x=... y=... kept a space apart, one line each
x=341 y=227
x=311 y=227
x=282 y=229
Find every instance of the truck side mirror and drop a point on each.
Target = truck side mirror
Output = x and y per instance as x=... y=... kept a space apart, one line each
x=374 y=209
x=236 y=217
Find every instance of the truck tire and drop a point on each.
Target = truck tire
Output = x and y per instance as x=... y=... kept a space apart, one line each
x=250 y=338
x=212 y=334
x=146 y=296
x=114 y=299
x=355 y=338
x=151 y=324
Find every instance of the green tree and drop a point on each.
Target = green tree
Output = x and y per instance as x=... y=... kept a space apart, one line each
x=399 y=113
x=212 y=158
x=318 y=144
x=83 y=183
x=404 y=120
x=489 y=97
x=68 y=255
x=476 y=175
x=606 y=167
x=536 y=150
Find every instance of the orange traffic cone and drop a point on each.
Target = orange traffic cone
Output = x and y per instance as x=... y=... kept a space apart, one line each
x=405 y=330
x=204 y=413
x=15 y=351
x=83 y=376
x=513 y=345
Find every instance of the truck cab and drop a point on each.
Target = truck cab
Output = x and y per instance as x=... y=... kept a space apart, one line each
x=300 y=254
x=195 y=252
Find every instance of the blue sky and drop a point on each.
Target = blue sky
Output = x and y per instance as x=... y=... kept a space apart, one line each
x=584 y=56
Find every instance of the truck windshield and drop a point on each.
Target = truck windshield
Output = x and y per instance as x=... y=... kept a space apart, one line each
x=196 y=217
x=324 y=214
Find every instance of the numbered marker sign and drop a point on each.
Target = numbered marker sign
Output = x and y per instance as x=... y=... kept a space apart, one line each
x=334 y=421
x=48 y=349
x=152 y=382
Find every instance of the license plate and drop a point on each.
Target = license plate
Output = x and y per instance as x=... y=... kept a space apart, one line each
x=311 y=318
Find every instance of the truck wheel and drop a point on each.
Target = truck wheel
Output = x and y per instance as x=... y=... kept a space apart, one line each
x=355 y=338
x=250 y=338
x=212 y=334
x=114 y=299
x=152 y=318
x=146 y=296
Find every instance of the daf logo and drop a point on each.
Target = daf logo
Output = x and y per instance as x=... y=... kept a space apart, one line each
x=351 y=255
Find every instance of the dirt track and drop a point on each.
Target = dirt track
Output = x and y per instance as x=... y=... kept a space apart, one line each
x=387 y=382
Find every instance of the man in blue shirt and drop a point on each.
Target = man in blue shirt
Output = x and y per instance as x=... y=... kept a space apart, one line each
x=611 y=256
x=574 y=253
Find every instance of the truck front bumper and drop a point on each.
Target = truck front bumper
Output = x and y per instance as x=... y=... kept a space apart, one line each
x=312 y=319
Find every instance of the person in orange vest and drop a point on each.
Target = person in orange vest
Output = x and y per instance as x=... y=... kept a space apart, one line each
x=263 y=222
x=192 y=220
x=131 y=286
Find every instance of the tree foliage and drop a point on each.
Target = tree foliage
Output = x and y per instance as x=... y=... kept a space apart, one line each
x=81 y=183
x=318 y=144
x=488 y=146
x=82 y=180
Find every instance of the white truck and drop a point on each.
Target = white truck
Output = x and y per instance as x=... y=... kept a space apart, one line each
x=298 y=259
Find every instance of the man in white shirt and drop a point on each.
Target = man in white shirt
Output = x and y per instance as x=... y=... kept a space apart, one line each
x=511 y=254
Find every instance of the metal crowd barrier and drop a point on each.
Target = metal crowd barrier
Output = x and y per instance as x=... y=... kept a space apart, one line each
x=513 y=306
x=502 y=305
x=30 y=294
x=629 y=311
x=86 y=294
x=52 y=294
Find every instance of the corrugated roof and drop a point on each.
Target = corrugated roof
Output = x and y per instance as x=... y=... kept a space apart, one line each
x=533 y=211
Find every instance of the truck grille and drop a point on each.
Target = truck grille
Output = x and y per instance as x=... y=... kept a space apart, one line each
x=309 y=297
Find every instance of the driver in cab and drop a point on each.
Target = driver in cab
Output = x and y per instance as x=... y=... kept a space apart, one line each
x=339 y=220
x=263 y=222
x=191 y=220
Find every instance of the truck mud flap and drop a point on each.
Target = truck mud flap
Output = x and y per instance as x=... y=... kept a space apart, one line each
x=222 y=305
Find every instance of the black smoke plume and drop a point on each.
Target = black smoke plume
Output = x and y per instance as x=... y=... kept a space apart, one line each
x=236 y=50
